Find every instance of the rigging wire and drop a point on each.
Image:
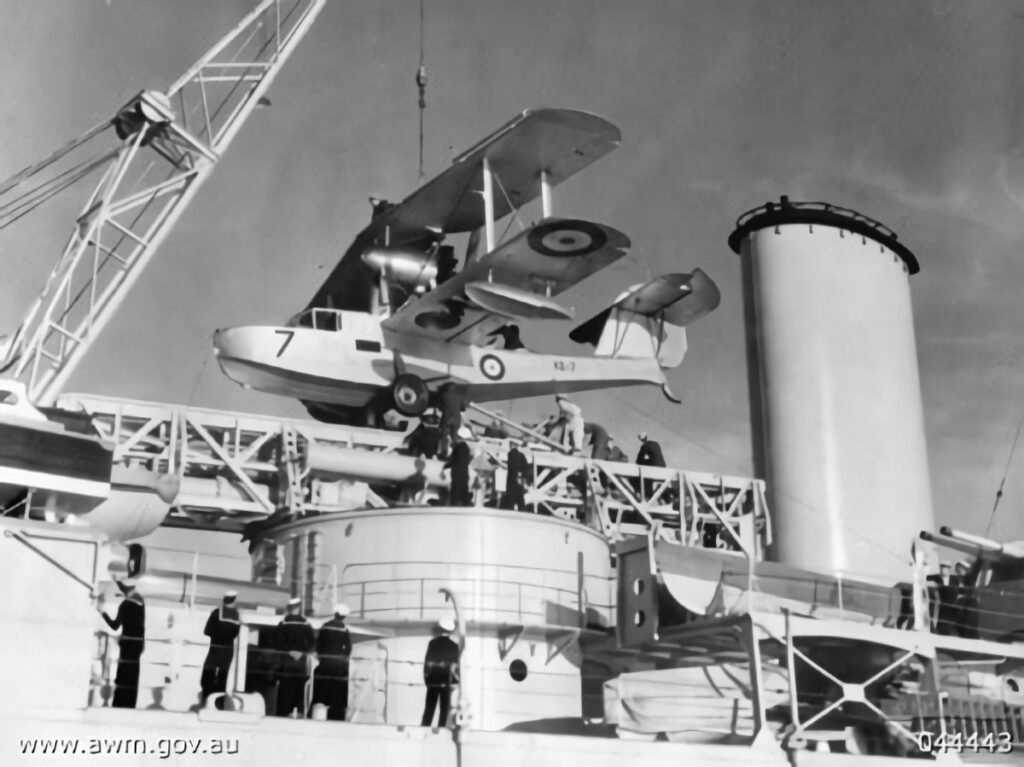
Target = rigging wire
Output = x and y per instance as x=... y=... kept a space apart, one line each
x=1002 y=482
x=421 y=83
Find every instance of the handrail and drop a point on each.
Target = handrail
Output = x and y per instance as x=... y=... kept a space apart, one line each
x=21 y=538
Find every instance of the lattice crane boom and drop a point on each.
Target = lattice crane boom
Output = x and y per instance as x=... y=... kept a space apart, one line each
x=159 y=149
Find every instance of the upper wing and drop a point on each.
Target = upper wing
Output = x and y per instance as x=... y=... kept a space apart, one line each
x=560 y=142
x=514 y=281
x=556 y=142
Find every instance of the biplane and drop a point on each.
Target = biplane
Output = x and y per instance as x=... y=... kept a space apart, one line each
x=397 y=318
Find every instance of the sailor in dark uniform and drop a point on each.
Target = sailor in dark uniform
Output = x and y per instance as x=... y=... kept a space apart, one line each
x=294 y=640
x=222 y=628
x=131 y=620
x=615 y=453
x=650 y=452
x=440 y=673
x=516 y=474
x=425 y=439
x=333 y=646
x=458 y=465
x=452 y=406
x=598 y=440
x=650 y=455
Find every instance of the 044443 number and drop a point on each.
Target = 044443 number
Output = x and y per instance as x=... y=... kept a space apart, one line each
x=957 y=743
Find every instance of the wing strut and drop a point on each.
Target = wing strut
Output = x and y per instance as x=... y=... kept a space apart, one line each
x=488 y=205
x=545 y=194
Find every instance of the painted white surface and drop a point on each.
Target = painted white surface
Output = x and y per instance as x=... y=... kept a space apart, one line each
x=847 y=465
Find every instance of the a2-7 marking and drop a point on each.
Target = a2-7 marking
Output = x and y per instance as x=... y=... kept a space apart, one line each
x=290 y=334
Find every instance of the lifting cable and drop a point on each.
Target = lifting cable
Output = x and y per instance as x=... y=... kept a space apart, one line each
x=421 y=83
x=999 y=492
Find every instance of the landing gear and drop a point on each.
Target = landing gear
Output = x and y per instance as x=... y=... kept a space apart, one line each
x=410 y=394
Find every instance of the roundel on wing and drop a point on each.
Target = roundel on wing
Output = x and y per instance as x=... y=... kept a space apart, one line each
x=566 y=238
x=492 y=367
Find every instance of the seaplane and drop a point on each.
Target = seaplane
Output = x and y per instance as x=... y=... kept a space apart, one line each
x=397 y=319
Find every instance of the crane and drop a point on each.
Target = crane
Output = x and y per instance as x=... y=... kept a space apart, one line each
x=151 y=157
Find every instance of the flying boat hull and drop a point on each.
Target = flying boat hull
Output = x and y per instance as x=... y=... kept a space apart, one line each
x=337 y=368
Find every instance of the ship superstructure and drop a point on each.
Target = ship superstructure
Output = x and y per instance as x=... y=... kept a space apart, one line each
x=626 y=613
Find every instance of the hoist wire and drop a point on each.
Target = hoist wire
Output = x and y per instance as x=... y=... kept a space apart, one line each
x=1002 y=482
x=421 y=83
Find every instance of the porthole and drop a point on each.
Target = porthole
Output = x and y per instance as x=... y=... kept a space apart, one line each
x=638 y=586
x=639 y=618
x=517 y=670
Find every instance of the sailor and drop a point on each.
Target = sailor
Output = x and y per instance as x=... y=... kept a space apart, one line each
x=440 y=673
x=598 y=440
x=573 y=418
x=509 y=334
x=458 y=465
x=453 y=404
x=222 y=628
x=650 y=452
x=650 y=455
x=516 y=474
x=496 y=428
x=425 y=439
x=330 y=681
x=294 y=640
x=131 y=620
x=614 y=451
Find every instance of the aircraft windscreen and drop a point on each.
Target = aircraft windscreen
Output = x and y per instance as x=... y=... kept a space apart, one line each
x=320 y=319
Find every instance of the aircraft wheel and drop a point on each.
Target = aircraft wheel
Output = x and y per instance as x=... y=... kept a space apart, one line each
x=410 y=394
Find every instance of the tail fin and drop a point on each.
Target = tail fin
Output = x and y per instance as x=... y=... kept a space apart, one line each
x=649 y=320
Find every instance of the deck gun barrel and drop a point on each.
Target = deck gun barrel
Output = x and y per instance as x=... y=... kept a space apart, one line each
x=943 y=539
x=985 y=544
x=1012 y=550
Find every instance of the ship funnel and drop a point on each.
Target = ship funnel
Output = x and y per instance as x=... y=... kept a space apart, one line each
x=835 y=394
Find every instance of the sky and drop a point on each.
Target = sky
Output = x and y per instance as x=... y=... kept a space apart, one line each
x=910 y=113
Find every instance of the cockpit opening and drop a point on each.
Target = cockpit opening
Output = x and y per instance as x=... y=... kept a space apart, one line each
x=318 y=318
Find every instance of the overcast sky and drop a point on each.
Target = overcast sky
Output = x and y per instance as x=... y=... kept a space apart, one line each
x=908 y=112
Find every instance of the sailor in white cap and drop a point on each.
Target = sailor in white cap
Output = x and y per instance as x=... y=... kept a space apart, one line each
x=222 y=627
x=131 y=620
x=440 y=673
x=294 y=638
x=333 y=646
x=650 y=452
x=572 y=416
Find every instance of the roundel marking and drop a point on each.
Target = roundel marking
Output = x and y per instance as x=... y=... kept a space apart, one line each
x=566 y=238
x=492 y=367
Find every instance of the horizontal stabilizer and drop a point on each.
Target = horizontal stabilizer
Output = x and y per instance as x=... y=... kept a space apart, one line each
x=678 y=298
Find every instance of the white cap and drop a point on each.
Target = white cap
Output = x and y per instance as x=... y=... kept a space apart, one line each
x=126 y=585
x=446 y=624
x=294 y=602
x=342 y=609
x=230 y=596
x=642 y=436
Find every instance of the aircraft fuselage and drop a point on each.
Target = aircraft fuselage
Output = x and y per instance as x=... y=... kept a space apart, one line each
x=351 y=361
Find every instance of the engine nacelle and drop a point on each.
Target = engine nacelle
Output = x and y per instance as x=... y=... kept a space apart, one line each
x=408 y=268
